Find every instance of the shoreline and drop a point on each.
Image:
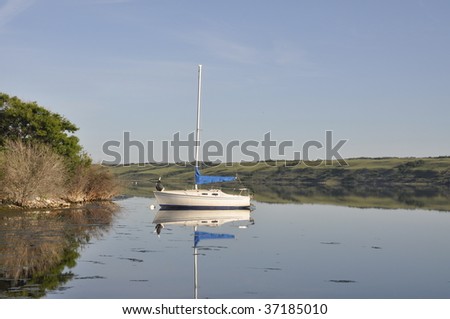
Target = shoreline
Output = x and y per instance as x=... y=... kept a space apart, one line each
x=48 y=204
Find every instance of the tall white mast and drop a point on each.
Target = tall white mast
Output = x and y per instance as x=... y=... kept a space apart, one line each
x=197 y=130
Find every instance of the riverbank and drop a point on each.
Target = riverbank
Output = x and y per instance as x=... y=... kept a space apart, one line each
x=40 y=203
x=42 y=164
x=47 y=204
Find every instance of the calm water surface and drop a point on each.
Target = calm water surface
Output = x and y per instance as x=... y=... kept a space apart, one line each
x=276 y=251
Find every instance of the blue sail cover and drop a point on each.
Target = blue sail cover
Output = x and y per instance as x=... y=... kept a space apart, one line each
x=200 y=235
x=205 y=179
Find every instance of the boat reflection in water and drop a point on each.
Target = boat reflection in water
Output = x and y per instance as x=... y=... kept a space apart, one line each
x=198 y=218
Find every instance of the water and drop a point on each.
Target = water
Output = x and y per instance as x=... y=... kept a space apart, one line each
x=278 y=251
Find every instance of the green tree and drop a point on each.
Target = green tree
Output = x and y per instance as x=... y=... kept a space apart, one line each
x=29 y=122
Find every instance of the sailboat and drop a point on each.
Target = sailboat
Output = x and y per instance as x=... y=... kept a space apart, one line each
x=202 y=198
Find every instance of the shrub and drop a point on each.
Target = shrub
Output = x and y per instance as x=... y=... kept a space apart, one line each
x=102 y=184
x=30 y=171
x=92 y=183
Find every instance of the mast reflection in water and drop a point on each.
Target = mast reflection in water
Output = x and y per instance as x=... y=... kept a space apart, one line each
x=197 y=219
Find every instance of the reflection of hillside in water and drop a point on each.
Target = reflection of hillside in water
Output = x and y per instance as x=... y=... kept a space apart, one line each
x=390 y=196
x=38 y=247
x=387 y=196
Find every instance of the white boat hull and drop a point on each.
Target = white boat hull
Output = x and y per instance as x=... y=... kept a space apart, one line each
x=201 y=199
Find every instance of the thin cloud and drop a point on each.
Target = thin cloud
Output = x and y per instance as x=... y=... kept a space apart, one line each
x=288 y=54
x=233 y=51
x=223 y=48
x=278 y=53
x=112 y=1
x=12 y=8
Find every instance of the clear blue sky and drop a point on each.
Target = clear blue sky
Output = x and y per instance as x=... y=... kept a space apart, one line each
x=374 y=72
